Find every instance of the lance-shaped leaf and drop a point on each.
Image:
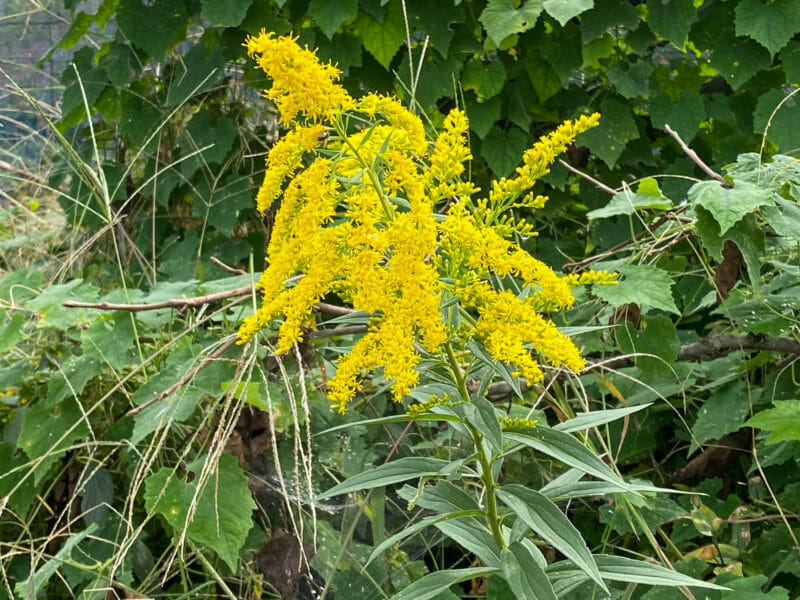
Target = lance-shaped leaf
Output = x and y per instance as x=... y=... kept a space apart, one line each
x=545 y=518
x=396 y=471
x=567 y=449
x=434 y=584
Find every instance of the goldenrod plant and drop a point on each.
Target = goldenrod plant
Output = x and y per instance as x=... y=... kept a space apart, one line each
x=377 y=213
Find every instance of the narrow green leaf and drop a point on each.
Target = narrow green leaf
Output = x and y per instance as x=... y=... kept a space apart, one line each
x=415 y=527
x=482 y=414
x=402 y=469
x=435 y=583
x=547 y=520
x=391 y=419
x=584 y=421
x=567 y=449
x=34 y=586
x=474 y=537
x=524 y=575
x=627 y=570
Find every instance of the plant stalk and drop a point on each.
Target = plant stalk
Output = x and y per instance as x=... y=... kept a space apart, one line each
x=483 y=459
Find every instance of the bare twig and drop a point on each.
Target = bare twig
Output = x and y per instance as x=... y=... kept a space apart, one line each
x=716 y=345
x=598 y=184
x=332 y=309
x=227 y=268
x=327 y=333
x=697 y=160
x=172 y=303
x=185 y=379
x=245 y=290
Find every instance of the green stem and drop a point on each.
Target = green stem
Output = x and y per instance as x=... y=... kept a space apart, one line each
x=387 y=206
x=483 y=459
x=213 y=572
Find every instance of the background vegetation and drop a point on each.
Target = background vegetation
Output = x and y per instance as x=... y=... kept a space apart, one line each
x=131 y=178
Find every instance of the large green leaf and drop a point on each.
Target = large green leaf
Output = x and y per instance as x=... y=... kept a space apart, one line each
x=547 y=520
x=197 y=73
x=631 y=79
x=331 y=14
x=225 y=13
x=729 y=205
x=627 y=203
x=606 y=15
x=725 y=411
x=524 y=575
x=671 y=19
x=565 y=10
x=10 y=331
x=153 y=26
x=782 y=421
x=684 y=116
x=771 y=24
x=382 y=39
x=502 y=18
x=738 y=58
x=781 y=121
x=433 y=584
x=657 y=337
x=751 y=588
x=646 y=285
x=402 y=469
x=783 y=218
x=482 y=115
x=616 y=129
x=503 y=149
x=485 y=78
x=224 y=506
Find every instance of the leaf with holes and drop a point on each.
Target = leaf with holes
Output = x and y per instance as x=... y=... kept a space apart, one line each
x=501 y=18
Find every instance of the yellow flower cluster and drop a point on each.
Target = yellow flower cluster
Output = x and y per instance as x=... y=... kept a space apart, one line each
x=300 y=82
x=358 y=219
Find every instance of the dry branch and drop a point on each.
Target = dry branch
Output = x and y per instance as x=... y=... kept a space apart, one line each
x=696 y=159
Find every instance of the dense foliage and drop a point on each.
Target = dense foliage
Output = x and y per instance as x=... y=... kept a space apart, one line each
x=148 y=455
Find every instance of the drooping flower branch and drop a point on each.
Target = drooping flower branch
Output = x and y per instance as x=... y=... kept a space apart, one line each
x=357 y=218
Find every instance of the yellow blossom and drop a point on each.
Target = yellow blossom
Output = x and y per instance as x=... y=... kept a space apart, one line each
x=300 y=83
x=358 y=219
x=283 y=159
